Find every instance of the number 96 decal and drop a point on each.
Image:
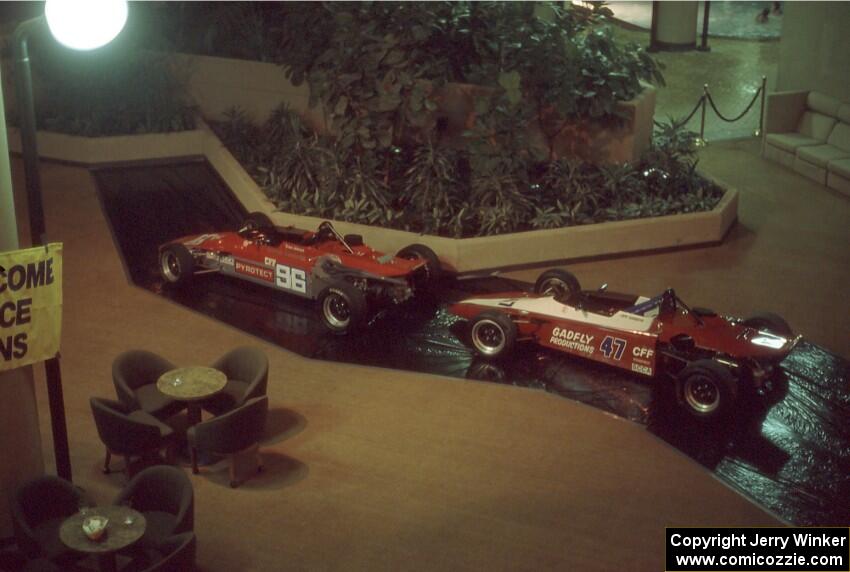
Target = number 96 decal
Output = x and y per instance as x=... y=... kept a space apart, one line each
x=289 y=278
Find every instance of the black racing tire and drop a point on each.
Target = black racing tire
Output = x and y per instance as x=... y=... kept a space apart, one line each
x=707 y=389
x=432 y=261
x=258 y=221
x=770 y=322
x=483 y=370
x=344 y=307
x=176 y=264
x=492 y=334
x=354 y=239
x=562 y=283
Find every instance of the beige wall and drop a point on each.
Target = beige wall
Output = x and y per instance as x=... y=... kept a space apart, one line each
x=815 y=49
x=218 y=84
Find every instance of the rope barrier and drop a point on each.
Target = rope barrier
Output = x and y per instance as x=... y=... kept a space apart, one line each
x=683 y=122
x=743 y=113
x=706 y=98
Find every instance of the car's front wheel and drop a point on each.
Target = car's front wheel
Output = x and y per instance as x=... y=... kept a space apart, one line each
x=493 y=334
x=176 y=264
x=344 y=307
x=707 y=389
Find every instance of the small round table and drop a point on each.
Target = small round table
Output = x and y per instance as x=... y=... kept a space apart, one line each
x=192 y=385
x=125 y=527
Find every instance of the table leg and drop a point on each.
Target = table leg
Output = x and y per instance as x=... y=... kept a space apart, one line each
x=193 y=412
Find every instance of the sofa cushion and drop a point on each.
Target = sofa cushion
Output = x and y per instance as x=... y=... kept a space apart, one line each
x=790 y=141
x=820 y=155
x=840 y=136
x=810 y=170
x=840 y=167
x=838 y=183
x=816 y=125
x=822 y=103
x=844 y=112
x=779 y=155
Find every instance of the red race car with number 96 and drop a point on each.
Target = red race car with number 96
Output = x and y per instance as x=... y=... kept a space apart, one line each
x=714 y=359
x=347 y=277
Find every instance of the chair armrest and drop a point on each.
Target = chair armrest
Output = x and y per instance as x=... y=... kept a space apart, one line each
x=232 y=431
x=125 y=393
x=24 y=536
x=783 y=111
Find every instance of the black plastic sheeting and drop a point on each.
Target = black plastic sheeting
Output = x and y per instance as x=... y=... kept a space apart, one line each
x=788 y=451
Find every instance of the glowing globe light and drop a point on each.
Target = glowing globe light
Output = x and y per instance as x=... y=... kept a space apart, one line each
x=85 y=24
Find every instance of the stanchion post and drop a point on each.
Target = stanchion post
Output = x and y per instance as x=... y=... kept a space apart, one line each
x=760 y=130
x=701 y=142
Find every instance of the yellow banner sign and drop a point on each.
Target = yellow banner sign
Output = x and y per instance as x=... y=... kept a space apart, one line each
x=30 y=305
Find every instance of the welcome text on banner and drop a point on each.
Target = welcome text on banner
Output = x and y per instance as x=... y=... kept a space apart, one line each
x=30 y=305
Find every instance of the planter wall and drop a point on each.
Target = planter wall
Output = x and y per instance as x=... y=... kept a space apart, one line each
x=218 y=84
x=464 y=255
x=591 y=141
x=600 y=143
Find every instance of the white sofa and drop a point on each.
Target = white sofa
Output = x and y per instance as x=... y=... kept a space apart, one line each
x=809 y=132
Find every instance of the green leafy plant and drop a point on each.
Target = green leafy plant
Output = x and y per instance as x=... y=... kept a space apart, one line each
x=470 y=192
x=377 y=68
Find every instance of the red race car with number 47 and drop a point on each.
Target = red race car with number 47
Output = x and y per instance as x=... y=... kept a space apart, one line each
x=714 y=359
x=345 y=275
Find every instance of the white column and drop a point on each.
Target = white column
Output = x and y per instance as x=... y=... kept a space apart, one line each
x=20 y=441
x=676 y=25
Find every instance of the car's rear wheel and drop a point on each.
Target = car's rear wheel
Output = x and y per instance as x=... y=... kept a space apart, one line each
x=344 y=307
x=432 y=262
x=257 y=221
x=559 y=283
x=493 y=334
x=770 y=322
x=707 y=389
x=176 y=264
x=353 y=239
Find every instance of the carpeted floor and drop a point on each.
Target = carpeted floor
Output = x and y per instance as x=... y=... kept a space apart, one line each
x=373 y=469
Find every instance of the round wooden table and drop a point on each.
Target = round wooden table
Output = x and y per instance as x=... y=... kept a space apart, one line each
x=125 y=527
x=192 y=385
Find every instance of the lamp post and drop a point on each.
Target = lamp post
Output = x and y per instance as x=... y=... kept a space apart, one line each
x=82 y=25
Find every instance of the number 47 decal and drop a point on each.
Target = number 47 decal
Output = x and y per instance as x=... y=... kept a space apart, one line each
x=611 y=345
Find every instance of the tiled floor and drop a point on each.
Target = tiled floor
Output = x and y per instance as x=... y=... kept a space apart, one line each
x=732 y=69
